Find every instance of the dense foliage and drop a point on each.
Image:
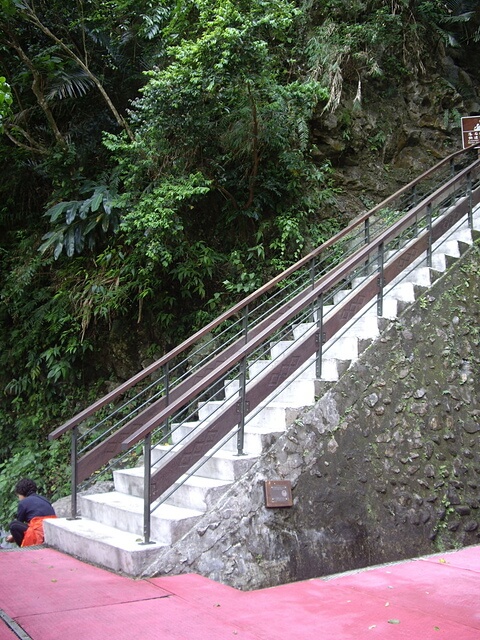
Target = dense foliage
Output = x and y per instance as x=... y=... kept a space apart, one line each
x=157 y=163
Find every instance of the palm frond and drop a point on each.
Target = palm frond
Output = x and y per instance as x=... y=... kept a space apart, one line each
x=69 y=85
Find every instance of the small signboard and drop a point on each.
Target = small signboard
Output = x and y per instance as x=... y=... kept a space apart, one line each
x=470 y=131
x=278 y=493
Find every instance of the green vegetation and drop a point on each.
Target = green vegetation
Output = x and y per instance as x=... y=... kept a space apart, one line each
x=158 y=163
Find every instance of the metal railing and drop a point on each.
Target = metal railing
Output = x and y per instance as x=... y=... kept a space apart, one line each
x=212 y=372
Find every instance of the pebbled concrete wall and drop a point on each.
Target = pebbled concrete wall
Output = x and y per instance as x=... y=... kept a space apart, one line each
x=385 y=466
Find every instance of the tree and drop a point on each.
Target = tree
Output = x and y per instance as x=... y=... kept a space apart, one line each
x=222 y=152
x=72 y=69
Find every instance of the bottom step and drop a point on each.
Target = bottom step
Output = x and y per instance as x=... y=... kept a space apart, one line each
x=100 y=544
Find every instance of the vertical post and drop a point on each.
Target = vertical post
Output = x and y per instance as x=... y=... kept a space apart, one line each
x=73 y=462
x=430 y=240
x=312 y=284
x=414 y=202
x=414 y=195
x=366 y=231
x=312 y=273
x=366 y=239
x=242 y=407
x=147 y=476
x=381 y=278
x=469 y=193
x=320 y=337
x=166 y=384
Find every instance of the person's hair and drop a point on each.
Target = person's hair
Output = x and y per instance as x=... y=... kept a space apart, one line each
x=25 y=487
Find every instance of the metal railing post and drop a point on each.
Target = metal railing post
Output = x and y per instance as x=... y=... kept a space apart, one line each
x=242 y=405
x=312 y=283
x=414 y=195
x=366 y=238
x=366 y=231
x=470 y=208
x=414 y=202
x=430 y=240
x=73 y=462
x=147 y=476
x=319 y=338
x=381 y=278
x=166 y=384
x=242 y=408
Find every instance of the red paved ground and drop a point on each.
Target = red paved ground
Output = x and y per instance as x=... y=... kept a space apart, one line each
x=51 y=596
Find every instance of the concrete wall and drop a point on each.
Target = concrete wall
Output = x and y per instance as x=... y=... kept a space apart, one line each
x=385 y=466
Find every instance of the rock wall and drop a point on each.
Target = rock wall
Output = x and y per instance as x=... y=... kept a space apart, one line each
x=395 y=133
x=385 y=466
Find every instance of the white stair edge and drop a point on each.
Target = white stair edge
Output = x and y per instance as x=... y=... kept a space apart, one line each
x=100 y=544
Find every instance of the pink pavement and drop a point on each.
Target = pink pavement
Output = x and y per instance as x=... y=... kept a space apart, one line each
x=46 y=595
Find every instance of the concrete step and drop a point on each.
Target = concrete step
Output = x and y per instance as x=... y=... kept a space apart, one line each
x=223 y=465
x=125 y=512
x=331 y=369
x=193 y=493
x=197 y=492
x=264 y=427
x=339 y=296
x=101 y=545
x=267 y=414
x=418 y=275
x=344 y=347
x=301 y=391
x=442 y=261
x=461 y=233
x=278 y=349
x=231 y=388
x=227 y=465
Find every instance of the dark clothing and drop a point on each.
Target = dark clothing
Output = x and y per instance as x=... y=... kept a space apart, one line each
x=32 y=506
x=17 y=529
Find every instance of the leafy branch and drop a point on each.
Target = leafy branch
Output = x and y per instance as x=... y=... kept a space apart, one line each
x=31 y=15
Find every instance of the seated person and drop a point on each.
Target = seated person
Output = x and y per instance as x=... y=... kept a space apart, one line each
x=27 y=529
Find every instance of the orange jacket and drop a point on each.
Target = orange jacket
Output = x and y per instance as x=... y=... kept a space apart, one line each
x=34 y=533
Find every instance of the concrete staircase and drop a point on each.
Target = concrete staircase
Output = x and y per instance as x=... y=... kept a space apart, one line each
x=110 y=530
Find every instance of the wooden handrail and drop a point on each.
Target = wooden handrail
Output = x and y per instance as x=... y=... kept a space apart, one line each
x=172 y=467
x=235 y=309
x=292 y=308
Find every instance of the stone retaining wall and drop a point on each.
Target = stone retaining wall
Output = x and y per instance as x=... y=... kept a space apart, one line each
x=385 y=466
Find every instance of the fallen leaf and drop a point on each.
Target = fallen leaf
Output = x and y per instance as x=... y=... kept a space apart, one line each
x=443 y=561
x=394 y=621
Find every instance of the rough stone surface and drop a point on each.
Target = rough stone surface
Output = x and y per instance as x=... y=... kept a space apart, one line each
x=369 y=486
